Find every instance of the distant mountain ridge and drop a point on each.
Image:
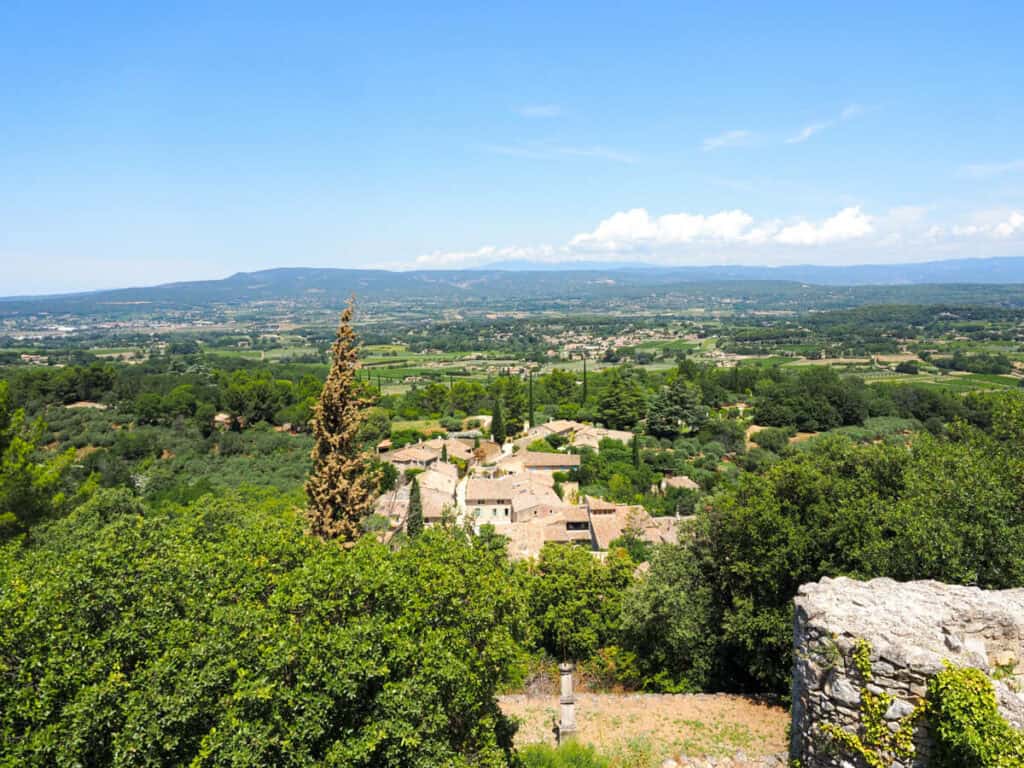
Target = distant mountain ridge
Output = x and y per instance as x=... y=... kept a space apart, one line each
x=521 y=283
x=978 y=270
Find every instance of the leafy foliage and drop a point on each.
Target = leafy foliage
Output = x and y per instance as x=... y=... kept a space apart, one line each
x=414 y=525
x=568 y=755
x=575 y=600
x=965 y=722
x=839 y=509
x=220 y=635
x=875 y=744
x=32 y=486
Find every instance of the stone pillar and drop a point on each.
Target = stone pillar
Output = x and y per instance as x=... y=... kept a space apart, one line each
x=567 y=723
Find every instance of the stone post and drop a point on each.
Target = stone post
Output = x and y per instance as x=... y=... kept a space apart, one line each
x=567 y=723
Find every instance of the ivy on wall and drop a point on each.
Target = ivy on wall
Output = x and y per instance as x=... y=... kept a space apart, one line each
x=961 y=711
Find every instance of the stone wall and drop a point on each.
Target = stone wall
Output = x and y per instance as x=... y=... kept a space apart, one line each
x=912 y=629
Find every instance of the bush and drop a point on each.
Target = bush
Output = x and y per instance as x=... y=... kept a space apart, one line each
x=568 y=755
x=774 y=439
x=908 y=366
x=221 y=635
x=965 y=722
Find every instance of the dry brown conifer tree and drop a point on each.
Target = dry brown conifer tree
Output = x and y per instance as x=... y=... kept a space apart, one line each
x=340 y=488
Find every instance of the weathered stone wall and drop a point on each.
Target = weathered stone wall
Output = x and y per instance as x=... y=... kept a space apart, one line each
x=912 y=628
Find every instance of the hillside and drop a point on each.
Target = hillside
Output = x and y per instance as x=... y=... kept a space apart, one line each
x=991 y=281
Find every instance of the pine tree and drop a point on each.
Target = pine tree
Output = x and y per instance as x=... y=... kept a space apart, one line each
x=340 y=488
x=498 y=423
x=414 y=523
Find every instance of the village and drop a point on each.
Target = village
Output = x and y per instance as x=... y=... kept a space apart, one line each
x=527 y=496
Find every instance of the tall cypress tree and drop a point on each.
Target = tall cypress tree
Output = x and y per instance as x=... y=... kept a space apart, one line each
x=340 y=488
x=532 y=420
x=498 y=422
x=583 y=396
x=636 y=451
x=414 y=523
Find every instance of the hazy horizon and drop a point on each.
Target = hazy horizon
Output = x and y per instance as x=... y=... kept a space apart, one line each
x=145 y=145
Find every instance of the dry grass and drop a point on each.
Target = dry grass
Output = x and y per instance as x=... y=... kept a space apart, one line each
x=641 y=730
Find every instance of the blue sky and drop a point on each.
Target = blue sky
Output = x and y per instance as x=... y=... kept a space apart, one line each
x=144 y=142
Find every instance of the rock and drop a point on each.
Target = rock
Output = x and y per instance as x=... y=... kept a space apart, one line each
x=843 y=692
x=899 y=709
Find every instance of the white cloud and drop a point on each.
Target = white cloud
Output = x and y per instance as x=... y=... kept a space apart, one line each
x=637 y=226
x=848 y=224
x=629 y=228
x=989 y=170
x=727 y=139
x=1013 y=225
x=849 y=236
x=807 y=132
x=540 y=110
x=849 y=113
x=995 y=225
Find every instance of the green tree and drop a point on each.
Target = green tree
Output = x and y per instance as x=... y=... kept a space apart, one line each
x=498 y=422
x=558 y=387
x=532 y=417
x=375 y=427
x=149 y=407
x=468 y=396
x=414 y=525
x=33 y=485
x=622 y=403
x=233 y=624
x=665 y=621
x=575 y=600
x=676 y=409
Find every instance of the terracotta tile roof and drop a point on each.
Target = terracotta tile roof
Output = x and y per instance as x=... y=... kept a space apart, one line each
x=415 y=454
x=681 y=481
x=607 y=528
x=544 y=460
x=592 y=436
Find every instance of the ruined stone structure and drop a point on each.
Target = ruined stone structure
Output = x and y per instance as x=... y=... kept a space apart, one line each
x=912 y=629
x=567 y=702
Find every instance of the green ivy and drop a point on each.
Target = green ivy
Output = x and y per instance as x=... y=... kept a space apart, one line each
x=965 y=722
x=874 y=743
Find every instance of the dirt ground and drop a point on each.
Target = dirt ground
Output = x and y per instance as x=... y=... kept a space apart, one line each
x=641 y=730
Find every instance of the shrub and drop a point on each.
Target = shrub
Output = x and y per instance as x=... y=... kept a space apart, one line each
x=221 y=635
x=567 y=755
x=774 y=439
x=965 y=722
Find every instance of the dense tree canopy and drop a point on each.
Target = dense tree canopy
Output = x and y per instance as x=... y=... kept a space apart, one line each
x=221 y=635
x=950 y=509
